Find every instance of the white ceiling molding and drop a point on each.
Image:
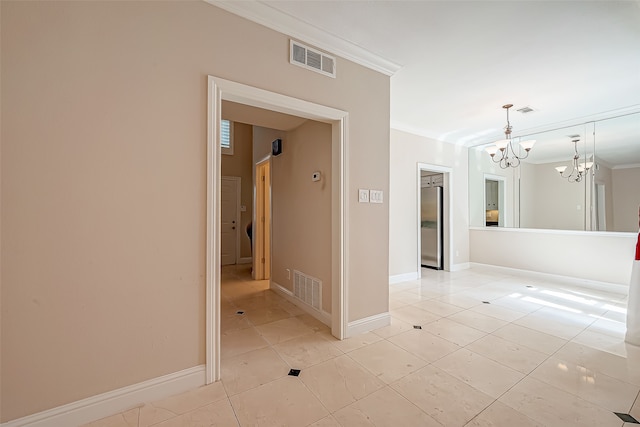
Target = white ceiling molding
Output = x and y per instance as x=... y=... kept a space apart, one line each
x=269 y=17
x=632 y=109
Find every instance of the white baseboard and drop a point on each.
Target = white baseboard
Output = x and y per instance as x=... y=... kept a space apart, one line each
x=322 y=316
x=115 y=401
x=459 y=267
x=245 y=260
x=405 y=277
x=590 y=284
x=367 y=324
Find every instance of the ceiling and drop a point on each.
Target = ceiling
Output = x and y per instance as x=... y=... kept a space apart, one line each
x=260 y=117
x=453 y=64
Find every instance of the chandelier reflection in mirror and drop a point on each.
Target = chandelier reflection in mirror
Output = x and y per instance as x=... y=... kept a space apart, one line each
x=508 y=157
x=578 y=169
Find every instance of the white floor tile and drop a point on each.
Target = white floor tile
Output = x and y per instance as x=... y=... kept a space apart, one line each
x=480 y=372
x=550 y=350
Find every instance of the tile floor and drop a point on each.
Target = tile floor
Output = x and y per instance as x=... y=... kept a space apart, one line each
x=495 y=349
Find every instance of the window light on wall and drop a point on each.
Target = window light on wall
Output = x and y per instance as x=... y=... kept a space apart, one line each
x=226 y=137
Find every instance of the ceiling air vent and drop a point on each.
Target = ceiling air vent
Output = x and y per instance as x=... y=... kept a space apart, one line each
x=312 y=59
x=525 y=110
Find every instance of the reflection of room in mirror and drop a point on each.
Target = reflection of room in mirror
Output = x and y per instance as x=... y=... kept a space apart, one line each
x=495 y=206
x=605 y=198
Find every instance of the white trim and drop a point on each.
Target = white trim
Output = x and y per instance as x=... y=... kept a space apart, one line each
x=321 y=315
x=212 y=273
x=630 y=166
x=245 y=260
x=460 y=266
x=340 y=227
x=585 y=283
x=405 y=277
x=270 y=17
x=220 y=89
x=367 y=324
x=115 y=401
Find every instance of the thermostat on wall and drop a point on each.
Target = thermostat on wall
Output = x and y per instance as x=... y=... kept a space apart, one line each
x=276 y=147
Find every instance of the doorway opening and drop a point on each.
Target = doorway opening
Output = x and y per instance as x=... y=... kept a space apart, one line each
x=431 y=220
x=495 y=200
x=434 y=185
x=601 y=210
x=219 y=90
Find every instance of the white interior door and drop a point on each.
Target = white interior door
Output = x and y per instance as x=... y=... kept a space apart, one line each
x=230 y=210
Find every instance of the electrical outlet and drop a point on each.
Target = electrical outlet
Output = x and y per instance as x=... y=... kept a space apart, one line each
x=375 y=196
x=363 y=195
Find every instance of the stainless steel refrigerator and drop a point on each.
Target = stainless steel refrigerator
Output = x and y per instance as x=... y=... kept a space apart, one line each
x=431 y=232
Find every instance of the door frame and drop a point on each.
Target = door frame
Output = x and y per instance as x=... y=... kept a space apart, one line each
x=238 y=182
x=502 y=196
x=447 y=215
x=261 y=228
x=220 y=89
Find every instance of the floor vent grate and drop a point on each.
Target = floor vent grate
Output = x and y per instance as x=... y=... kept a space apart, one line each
x=307 y=289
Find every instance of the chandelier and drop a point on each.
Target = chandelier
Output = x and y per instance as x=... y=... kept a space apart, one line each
x=508 y=157
x=578 y=169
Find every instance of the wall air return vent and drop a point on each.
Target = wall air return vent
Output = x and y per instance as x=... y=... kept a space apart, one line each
x=307 y=289
x=312 y=59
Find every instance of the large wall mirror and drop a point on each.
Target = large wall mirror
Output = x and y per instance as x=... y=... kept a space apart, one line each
x=602 y=194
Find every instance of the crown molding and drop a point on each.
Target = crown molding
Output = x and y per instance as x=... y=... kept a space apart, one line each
x=263 y=14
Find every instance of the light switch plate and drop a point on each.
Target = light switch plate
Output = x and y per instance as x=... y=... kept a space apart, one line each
x=375 y=196
x=363 y=195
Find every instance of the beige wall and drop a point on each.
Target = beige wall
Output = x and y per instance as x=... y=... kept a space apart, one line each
x=407 y=151
x=626 y=199
x=103 y=186
x=302 y=208
x=262 y=138
x=241 y=164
